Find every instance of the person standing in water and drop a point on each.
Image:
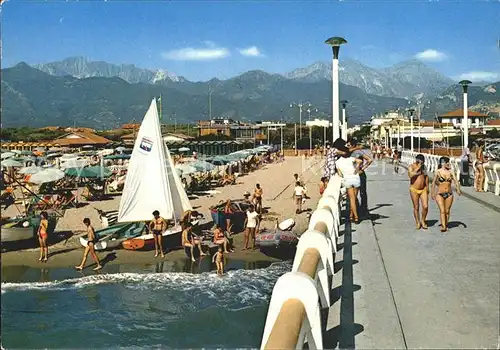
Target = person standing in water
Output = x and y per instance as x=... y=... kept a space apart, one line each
x=90 y=248
x=43 y=236
x=419 y=191
x=157 y=226
x=444 y=198
x=218 y=259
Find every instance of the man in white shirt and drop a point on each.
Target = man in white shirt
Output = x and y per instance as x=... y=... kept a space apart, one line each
x=298 y=194
x=251 y=224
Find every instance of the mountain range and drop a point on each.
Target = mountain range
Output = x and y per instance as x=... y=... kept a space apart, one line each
x=103 y=95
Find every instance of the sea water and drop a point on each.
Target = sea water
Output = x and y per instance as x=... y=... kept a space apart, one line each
x=141 y=306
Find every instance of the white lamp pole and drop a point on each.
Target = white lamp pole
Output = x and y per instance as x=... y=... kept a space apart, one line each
x=335 y=42
x=282 y=138
x=295 y=129
x=344 y=120
x=411 y=110
x=465 y=120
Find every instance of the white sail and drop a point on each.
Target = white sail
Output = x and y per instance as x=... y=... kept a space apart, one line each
x=152 y=182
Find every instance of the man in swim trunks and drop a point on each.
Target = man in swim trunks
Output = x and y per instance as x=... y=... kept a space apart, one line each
x=157 y=226
x=419 y=190
x=90 y=248
x=188 y=241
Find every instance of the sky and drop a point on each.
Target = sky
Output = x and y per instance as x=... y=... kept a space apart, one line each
x=205 y=39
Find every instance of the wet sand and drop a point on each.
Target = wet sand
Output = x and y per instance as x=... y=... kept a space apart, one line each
x=275 y=179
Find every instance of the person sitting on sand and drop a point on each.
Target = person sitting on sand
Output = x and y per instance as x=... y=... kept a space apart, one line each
x=157 y=226
x=250 y=227
x=188 y=241
x=90 y=248
x=218 y=259
x=219 y=238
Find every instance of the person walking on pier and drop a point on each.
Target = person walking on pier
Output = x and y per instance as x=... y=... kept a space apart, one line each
x=348 y=168
x=479 y=174
x=444 y=198
x=419 y=190
x=362 y=154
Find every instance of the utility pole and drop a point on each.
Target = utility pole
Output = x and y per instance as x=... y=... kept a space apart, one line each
x=210 y=102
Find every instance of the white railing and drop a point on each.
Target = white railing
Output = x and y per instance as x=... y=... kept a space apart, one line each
x=491 y=171
x=298 y=296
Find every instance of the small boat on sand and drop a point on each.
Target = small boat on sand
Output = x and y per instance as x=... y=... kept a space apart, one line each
x=151 y=184
x=23 y=228
x=280 y=241
x=112 y=237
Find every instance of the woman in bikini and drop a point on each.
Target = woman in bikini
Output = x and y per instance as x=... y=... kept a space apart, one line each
x=479 y=176
x=43 y=236
x=419 y=190
x=90 y=248
x=444 y=198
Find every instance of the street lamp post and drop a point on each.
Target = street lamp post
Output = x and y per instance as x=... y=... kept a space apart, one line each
x=210 y=101
x=300 y=105
x=335 y=42
x=411 y=110
x=344 y=120
x=295 y=131
x=465 y=120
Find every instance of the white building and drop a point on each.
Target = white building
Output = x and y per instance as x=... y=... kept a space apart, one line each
x=476 y=119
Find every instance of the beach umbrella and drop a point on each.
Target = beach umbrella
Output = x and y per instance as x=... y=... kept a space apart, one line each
x=74 y=163
x=47 y=175
x=29 y=170
x=184 y=149
x=11 y=163
x=6 y=155
x=16 y=151
x=91 y=172
x=120 y=149
x=186 y=169
x=202 y=165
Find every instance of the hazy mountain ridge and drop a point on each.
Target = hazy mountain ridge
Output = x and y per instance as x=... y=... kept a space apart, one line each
x=404 y=79
x=33 y=97
x=82 y=67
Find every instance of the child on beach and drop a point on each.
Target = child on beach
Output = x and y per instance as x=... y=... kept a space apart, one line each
x=91 y=241
x=218 y=259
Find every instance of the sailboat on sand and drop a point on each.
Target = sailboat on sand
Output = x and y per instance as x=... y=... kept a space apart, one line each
x=151 y=184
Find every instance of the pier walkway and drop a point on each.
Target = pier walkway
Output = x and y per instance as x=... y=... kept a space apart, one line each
x=398 y=287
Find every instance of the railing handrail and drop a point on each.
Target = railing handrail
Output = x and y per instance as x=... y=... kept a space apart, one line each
x=297 y=297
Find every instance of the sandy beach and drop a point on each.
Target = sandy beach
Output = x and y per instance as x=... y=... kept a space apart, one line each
x=275 y=179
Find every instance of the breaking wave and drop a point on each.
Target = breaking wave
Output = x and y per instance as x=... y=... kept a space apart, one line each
x=236 y=287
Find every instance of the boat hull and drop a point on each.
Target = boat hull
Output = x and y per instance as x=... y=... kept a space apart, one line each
x=16 y=234
x=112 y=237
x=280 y=244
x=170 y=239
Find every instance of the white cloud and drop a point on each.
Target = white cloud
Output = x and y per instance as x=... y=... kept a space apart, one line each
x=252 y=51
x=431 y=55
x=210 y=52
x=478 y=76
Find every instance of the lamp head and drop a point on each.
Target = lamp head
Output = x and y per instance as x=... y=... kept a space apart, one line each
x=335 y=41
x=464 y=82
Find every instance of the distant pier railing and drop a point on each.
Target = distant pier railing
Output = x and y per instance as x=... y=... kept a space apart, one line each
x=491 y=170
x=298 y=296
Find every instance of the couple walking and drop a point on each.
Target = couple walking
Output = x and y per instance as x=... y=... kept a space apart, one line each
x=419 y=191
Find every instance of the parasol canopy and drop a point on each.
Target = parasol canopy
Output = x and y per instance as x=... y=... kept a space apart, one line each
x=46 y=175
